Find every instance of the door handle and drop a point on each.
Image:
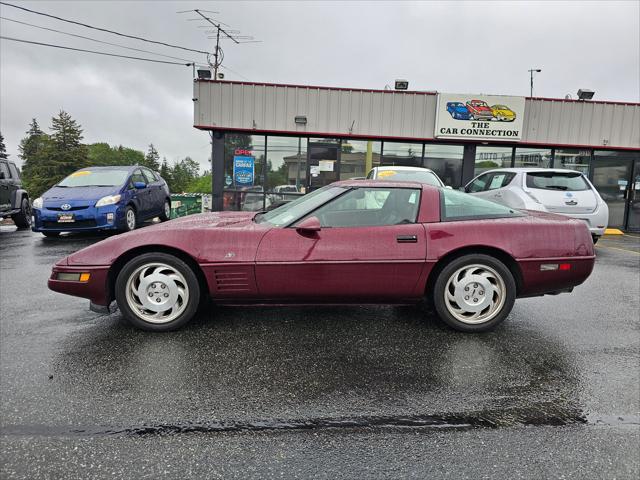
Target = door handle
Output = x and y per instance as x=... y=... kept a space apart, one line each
x=407 y=239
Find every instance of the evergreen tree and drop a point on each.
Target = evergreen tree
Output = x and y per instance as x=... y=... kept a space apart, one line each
x=165 y=172
x=3 y=149
x=183 y=173
x=68 y=153
x=152 y=158
x=33 y=149
x=51 y=158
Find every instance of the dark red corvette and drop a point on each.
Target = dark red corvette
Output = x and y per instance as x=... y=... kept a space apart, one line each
x=350 y=242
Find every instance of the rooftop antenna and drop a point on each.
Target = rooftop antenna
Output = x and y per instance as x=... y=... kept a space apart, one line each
x=220 y=34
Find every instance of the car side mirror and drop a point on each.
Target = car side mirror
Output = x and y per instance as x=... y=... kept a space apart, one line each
x=139 y=185
x=309 y=225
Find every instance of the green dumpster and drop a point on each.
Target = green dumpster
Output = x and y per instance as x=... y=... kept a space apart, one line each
x=183 y=204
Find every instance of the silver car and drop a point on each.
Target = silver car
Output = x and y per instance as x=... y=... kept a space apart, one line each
x=565 y=192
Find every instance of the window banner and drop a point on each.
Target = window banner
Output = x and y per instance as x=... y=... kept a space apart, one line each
x=243 y=170
x=482 y=117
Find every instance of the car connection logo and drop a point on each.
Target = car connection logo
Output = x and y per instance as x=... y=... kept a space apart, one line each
x=65 y=206
x=496 y=117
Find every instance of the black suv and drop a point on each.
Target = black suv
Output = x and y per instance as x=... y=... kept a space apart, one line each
x=14 y=200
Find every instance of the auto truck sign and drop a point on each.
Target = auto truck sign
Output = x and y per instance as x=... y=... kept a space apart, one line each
x=481 y=117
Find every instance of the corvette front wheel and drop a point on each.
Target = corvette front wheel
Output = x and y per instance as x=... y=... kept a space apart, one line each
x=474 y=293
x=157 y=292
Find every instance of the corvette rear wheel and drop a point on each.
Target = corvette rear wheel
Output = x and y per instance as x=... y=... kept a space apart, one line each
x=157 y=292
x=474 y=293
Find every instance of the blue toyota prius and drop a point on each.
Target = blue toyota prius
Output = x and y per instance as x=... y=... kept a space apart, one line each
x=102 y=198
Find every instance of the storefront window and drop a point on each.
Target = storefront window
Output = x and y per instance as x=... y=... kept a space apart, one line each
x=286 y=162
x=488 y=158
x=446 y=161
x=404 y=154
x=573 y=160
x=358 y=157
x=533 y=157
x=244 y=157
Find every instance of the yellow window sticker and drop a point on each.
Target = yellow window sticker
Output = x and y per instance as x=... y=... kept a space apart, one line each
x=81 y=173
x=386 y=173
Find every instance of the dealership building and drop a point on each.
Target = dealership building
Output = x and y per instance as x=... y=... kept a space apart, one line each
x=272 y=140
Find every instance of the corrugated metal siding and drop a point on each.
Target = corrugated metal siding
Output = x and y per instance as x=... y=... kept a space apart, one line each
x=399 y=115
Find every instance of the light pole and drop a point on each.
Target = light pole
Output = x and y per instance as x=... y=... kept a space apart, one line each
x=532 y=71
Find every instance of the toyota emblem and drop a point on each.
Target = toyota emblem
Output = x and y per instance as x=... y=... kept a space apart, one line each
x=65 y=206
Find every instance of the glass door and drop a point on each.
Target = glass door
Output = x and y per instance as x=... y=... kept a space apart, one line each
x=612 y=178
x=323 y=166
x=633 y=210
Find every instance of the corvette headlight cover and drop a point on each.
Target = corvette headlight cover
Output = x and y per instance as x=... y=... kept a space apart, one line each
x=108 y=200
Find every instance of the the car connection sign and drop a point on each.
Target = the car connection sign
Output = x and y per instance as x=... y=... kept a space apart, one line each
x=482 y=117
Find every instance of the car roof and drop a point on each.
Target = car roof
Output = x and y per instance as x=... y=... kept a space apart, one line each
x=402 y=169
x=382 y=183
x=113 y=167
x=532 y=169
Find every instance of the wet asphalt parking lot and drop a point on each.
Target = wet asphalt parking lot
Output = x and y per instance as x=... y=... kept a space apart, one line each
x=349 y=392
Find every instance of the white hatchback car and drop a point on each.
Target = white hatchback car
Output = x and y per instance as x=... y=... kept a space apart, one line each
x=406 y=174
x=565 y=192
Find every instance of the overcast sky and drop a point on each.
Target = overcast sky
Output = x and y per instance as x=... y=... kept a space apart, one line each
x=474 y=47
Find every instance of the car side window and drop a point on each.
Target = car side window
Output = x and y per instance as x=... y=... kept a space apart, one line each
x=499 y=180
x=148 y=175
x=138 y=177
x=4 y=169
x=478 y=184
x=14 y=172
x=367 y=207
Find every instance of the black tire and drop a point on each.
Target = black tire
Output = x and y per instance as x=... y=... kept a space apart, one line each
x=22 y=219
x=166 y=211
x=130 y=219
x=160 y=264
x=595 y=238
x=51 y=234
x=467 y=269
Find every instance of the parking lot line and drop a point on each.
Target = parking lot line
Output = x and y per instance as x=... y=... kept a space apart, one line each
x=617 y=248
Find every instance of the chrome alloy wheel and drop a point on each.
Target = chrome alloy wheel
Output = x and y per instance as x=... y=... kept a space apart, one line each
x=131 y=219
x=475 y=294
x=167 y=209
x=157 y=293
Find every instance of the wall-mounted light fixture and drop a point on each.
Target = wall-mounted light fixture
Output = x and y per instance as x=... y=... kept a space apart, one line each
x=402 y=84
x=584 y=94
x=300 y=119
x=204 y=74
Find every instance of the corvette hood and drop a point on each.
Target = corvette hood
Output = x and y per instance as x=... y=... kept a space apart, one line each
x=207 y=238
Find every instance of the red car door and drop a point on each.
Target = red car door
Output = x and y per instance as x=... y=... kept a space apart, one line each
x=369 y=248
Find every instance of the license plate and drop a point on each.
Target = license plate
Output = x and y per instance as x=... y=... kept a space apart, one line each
x=66 y=218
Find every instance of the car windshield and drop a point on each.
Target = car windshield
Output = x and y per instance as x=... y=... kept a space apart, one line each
x=419 y=176
x=95 y=178
x=566 y=181
x=291 y=211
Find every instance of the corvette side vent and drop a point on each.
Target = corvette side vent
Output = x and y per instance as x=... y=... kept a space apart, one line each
x=231 y=281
